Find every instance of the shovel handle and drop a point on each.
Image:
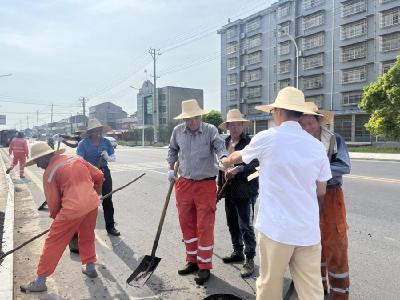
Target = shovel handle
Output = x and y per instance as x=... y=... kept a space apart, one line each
x=164 y=212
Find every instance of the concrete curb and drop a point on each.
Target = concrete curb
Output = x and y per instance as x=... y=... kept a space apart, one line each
x=375 y=156
x=7 y=267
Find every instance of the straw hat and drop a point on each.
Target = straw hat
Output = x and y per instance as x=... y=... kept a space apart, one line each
x=190 y=109
x=94 y=124
x=288 y=98
x=39 y=150
x=326 y=116
x=233 y=115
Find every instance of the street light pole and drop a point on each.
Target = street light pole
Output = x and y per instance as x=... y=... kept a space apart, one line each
x=142 y=115
x=297 y=55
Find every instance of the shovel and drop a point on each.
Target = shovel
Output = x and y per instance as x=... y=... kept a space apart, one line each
x=150 y=262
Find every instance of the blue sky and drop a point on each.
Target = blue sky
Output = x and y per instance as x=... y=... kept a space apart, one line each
x=59 y=51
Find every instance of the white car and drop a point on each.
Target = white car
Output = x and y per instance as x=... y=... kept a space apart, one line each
x=112 y=140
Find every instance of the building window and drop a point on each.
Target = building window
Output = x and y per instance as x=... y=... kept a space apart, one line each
x=232 y=63
x=353 y=52
x=283 y=83
x=358 y=74
x=283 y=29
x=253 y=75
x=284 y=48
x=253 y=25
x=313 y=41
x=353 y=30
x=254 y=58
x=251 y=108
x=254 y=41
x=284 y=10
x=317 y=99
x=390 y=42
x=313 y=20
x=232 y=48
x=231 y=32
x=231 y=94
x=351 y=98
x=390 y=17
x=353 y=7
x=163 y=109
x=313 y=82
x=307 y=4
x=385 y=1
x=284 y=67
x=386 y=65
x=231 y=79
x=163 y=121
x=313 y=61
x=254 y=92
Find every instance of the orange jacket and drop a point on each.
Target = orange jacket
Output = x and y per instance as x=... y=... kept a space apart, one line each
x=70 y=185
x=19 y=147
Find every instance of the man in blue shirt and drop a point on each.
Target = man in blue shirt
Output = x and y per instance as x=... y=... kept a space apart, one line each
x=97 y=150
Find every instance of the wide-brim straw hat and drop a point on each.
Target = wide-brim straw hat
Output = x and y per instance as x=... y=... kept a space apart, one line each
x=190 y=109
x=39 y=150
x=233 y=115
x=92 y=125
x=288 y=98
x=326 y=117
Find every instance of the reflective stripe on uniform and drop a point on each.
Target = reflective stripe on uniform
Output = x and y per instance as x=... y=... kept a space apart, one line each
x=206 y=248
x=191 y=240
x=57 y=166
x=339 y=275
x=324 y=279
x=339 y=290
x=191 y=252
x=323 y=264
x=203 y=260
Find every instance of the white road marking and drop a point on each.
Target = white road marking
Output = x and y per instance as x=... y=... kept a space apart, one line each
x=378 y=179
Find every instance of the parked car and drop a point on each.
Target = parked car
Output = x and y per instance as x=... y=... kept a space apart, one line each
x=112 y=140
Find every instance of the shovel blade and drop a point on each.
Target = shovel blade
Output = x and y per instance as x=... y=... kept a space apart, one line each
x=143 y=272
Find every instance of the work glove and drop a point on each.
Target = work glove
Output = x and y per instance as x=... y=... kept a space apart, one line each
x=171 y=176
x=104 y=155
x=221 y=167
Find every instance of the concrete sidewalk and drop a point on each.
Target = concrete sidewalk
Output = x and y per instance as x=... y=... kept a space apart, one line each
x=375 y=156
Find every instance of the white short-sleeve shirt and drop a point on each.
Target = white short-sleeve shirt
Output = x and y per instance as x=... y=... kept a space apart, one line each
x=291 y=162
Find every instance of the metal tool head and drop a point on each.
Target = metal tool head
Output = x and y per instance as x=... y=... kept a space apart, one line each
x=144 y=271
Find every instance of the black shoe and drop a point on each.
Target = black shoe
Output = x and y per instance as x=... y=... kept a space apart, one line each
x=113 y=232
x=8 y=171
x=189 y=268
x=76 y=251
x=202 y=276
x=234 y=257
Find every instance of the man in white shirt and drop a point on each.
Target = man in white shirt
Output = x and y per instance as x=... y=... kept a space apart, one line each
x=293 y=174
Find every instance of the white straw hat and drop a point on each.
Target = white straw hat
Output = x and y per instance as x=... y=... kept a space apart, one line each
x=326 y=116
x=39 y=150
x=190 y=109
x=94 y=124
x=233 y=115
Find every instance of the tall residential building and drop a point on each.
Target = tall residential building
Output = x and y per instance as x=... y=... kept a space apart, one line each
x=107 y=113
x=169 y=103
x=342 y=47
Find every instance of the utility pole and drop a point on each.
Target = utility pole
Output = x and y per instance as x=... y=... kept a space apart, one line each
x=51 y=120
x=27 y=122
x=37 y=118
x=83 y=100
x=154 y=54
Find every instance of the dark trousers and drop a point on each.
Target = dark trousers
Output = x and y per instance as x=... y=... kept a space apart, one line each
x=239 y=217
x=108 y=207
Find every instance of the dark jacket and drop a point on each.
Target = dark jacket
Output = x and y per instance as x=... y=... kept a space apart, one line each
x=239 y=187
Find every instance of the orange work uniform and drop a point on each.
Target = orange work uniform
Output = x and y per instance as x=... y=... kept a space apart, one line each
x=19 y=149
x=70 y=185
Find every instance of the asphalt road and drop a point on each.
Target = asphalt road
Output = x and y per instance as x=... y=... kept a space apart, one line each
x=372 y=196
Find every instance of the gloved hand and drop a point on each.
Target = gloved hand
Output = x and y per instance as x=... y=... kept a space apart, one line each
x=171 y=176
x=104 y=155
x=221 y=167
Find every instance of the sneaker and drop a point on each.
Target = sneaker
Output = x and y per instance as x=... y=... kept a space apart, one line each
x=33 y=287
x=91 y=274
x=189 y=268
x=113 y=231
x=22 y=176
x=248 y=268
x=234 y=257
x=8 y=171
x=202 y=277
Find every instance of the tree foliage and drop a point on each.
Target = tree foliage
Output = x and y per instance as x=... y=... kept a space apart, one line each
x=381 y=99
x=213 y=117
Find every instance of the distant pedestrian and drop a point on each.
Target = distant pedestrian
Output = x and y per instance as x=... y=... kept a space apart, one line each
x=196 y=144
x=71 y=187
x=240 y=195
x=98 y=150
x=333 y=224
x=20 y=151
x=293 y=174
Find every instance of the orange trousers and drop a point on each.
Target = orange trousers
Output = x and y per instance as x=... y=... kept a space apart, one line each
x=196 y=202
x=334 y=259
x=61 y=232
x=21 y=159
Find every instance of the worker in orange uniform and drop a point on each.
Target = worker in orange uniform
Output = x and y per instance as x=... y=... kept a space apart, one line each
x=19 y=149
x=333 y=225
x=72 y=187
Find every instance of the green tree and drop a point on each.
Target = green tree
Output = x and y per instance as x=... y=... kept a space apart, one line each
x=381 y=99
x=213 y=117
